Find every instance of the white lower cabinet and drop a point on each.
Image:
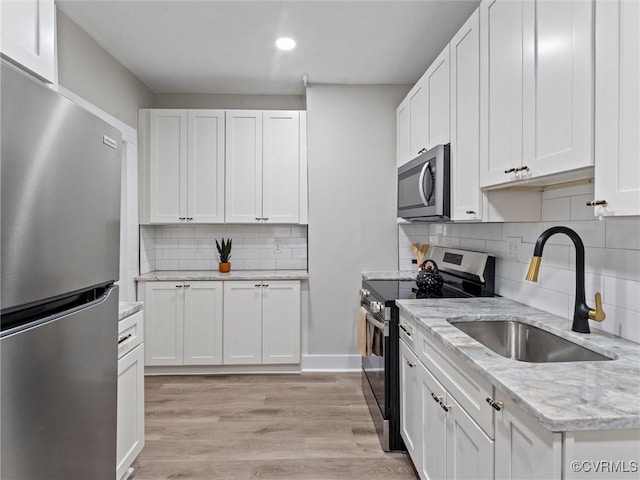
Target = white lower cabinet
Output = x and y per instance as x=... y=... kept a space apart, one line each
x=184 y=323
x=130 y=416
x=410 y=411
x=451 y=445
x=450 y=429
x=261 y=322
x=524 y=448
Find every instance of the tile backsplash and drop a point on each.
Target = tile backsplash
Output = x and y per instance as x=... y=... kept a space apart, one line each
x=612 y=263
x=193 y=247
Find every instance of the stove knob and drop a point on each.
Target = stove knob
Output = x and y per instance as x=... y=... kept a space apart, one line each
x=364 y=293
x=376 y=307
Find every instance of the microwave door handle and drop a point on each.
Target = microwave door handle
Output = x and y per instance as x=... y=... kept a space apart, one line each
x=423 y=172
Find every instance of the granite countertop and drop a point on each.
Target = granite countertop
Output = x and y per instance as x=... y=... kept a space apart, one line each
x=569 y=396
x=126 y=309
x=194 y=275
x=391 y=275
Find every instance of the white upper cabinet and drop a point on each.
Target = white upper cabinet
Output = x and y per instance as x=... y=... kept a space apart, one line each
x=183 y=179
x=617 y=131
x=28 y=35
x=244 y=166
x=536 y=101
x=436 y=84
x=501 y=94
x=281 y=167
x=263 y=166
x=422 y=119
x=557 y=86
x=402 y=133
x=418 y=119
x=466 y=197
x=205 y=166
x=168 y=166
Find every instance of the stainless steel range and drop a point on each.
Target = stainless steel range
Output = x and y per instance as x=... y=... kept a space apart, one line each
x=464 y=274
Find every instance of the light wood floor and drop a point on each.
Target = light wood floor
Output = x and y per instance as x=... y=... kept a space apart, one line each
x=270 y=427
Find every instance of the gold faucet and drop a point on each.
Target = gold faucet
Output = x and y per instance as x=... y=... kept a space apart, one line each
x=582 y=312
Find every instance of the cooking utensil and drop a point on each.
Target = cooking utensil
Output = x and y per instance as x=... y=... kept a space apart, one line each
x=415 y=249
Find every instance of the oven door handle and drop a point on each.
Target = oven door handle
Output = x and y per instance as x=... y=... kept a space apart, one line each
x=423 y=194
x=378 y=324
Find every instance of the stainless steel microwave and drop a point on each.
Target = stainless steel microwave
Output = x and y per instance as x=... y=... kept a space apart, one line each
x=424 y=191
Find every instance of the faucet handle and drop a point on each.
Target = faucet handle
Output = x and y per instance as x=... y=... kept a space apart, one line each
x=598 y=314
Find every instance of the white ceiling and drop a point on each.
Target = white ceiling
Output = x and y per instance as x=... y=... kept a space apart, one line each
x=227 y=46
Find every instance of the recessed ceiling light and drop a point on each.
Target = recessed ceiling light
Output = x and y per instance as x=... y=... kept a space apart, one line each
x=286 y=43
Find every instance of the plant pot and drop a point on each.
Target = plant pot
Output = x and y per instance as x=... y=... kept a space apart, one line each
x=224 y=267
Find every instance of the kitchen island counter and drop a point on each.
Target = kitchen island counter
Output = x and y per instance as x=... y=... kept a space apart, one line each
x=562 y=396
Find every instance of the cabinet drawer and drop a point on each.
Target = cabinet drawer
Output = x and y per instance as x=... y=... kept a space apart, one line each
x=130 y=333
x=408 y=331
x=468 y=388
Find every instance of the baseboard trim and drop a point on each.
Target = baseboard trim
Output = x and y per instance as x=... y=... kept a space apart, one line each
x=220 y=370
x=331 y=363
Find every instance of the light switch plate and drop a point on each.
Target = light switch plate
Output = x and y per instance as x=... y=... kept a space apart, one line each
x=277 y=246
x=513 y=248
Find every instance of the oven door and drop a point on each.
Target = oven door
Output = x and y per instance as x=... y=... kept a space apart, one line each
x=373 y=366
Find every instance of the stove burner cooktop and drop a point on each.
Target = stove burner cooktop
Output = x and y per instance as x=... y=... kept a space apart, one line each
x=389 y=290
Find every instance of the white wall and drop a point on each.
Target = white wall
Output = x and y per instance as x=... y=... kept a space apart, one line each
x=352 y=167
x=89 y=71
x=612 y=258
x=239 y=102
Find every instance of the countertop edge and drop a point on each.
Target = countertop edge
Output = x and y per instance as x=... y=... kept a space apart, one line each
x=211 y=275
x=126 y=309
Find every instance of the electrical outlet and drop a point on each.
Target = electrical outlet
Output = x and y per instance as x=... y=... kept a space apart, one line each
x=277 y=246
x=198 y=246
x=513 y=248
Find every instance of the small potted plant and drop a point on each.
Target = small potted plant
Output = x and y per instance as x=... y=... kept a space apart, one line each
x=224 y=250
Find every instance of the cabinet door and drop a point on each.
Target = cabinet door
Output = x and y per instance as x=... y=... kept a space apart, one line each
x=434 y=428
x=242 y=329
x=243 y=162
x=524 y=448
x=466 y=197
x=437 y=89
x=557 y=86
x=28 y=35
x=163 y=332
x=281 y=167
x=281 y=322
x=130 y=423
x=410 y=404
x=205 y=166
x=469 y=450
x=617 y=143
x=203 y=323
x=501 y=93
x=168 y=166
x=402 y=133
x=418 y=118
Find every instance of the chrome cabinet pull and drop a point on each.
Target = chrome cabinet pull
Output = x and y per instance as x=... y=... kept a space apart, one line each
x=446 y=408
x=595 y=203
x=124 y=338
x=436 y=398
x=471 y=212
x=499 y=405
x=424 y=149
x=510 y=170
x=179 y=286
x=404 y=328
x=411 y=364
x=524 y=168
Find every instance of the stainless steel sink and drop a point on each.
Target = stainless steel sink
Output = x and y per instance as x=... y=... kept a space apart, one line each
x=526 y=343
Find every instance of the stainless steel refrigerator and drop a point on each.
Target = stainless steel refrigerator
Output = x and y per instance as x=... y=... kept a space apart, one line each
x=60 y=234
